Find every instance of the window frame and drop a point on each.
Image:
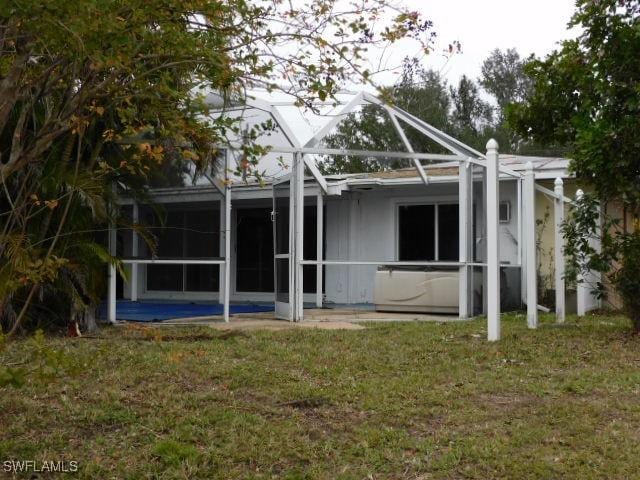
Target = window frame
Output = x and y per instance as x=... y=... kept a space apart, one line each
x=398 y=203
x=183 y=213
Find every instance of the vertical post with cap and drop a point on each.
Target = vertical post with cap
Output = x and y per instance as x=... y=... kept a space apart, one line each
x=529 y=233
x=559 y=249
x=493 y=255
x=581 y=288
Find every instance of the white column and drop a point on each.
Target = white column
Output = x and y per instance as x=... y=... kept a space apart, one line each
x=521 y=245
x=493 y=252
x=582 y=291
x=483 y=239
x=111 y=291
x=227 y=238
x=134 y=253
x=559 y=249
x=319 y=257
x=299 y=239
x=221 y=249
x=529 y=234
x=464 y=215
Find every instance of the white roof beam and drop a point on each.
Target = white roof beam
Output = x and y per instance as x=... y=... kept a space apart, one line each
x=438 y=157
x=218 y=183
x=407 y=144
x=552 y=194
x=502 y=169
x=277 y=117
x=293 y=141
x=423 y=127
x=407 y=119
x=356 y=101
x=313 y=168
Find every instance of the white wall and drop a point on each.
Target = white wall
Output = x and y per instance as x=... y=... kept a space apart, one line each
x=362 y=226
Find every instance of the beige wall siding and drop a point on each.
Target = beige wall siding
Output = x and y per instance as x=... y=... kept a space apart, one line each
x=544 y=231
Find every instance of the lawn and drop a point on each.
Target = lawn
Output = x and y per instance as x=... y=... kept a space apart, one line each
x=406 y=400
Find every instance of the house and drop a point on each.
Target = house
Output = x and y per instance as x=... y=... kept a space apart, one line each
x=356 y=233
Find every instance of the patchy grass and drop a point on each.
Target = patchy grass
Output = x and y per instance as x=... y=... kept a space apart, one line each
x=416 y=400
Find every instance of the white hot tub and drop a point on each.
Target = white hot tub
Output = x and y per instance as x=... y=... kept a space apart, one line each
x=416 y=290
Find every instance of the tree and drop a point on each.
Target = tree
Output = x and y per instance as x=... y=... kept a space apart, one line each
x=471 y=115
x=586 y=95
x=418 y=91
x=102 y=94
x=457 y=110
x=503 y=77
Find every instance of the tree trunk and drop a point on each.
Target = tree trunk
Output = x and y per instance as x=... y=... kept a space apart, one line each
x=88 y=322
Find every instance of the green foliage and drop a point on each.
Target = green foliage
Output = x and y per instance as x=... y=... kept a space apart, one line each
x=104 y=96
x=503 y=77
x=470 y=115
x=459 y=110
x=618 y=255
x=587 y=95
x=418 y=91
x=41 y=363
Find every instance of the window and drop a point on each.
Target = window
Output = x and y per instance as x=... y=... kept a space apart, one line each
x=448 y=226
x=428 y=232
x=505 y=212
x=185 y=234
x=416 y=232
x=254 y=249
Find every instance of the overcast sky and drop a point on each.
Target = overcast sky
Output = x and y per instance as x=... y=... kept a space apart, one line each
x=530 y=26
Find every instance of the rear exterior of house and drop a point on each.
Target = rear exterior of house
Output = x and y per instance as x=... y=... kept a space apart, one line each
x=374 y=218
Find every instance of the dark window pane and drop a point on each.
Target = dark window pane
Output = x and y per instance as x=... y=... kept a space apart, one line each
x=164 y=277
x=310 y=248
x=169 y=235
x=310 y=232
x=309 y=280
x=282 y=270
x=184 y=233
x=202 y=233
x=203 y=278
x=281 y=193
x=474 y=221
x=254 y=250
x=416 y=235
x=448 y=233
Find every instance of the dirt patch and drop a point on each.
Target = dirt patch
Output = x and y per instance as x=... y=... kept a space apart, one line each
x=154 y=334
x=312 y=402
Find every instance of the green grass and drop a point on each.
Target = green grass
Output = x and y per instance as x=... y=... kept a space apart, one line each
x=406 y=400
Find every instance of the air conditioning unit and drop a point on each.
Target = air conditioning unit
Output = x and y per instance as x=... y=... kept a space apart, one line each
x=416 y=290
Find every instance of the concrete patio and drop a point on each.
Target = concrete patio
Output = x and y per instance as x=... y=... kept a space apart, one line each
x=322 y=318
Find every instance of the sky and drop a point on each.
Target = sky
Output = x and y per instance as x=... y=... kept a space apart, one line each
x=529 y=26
